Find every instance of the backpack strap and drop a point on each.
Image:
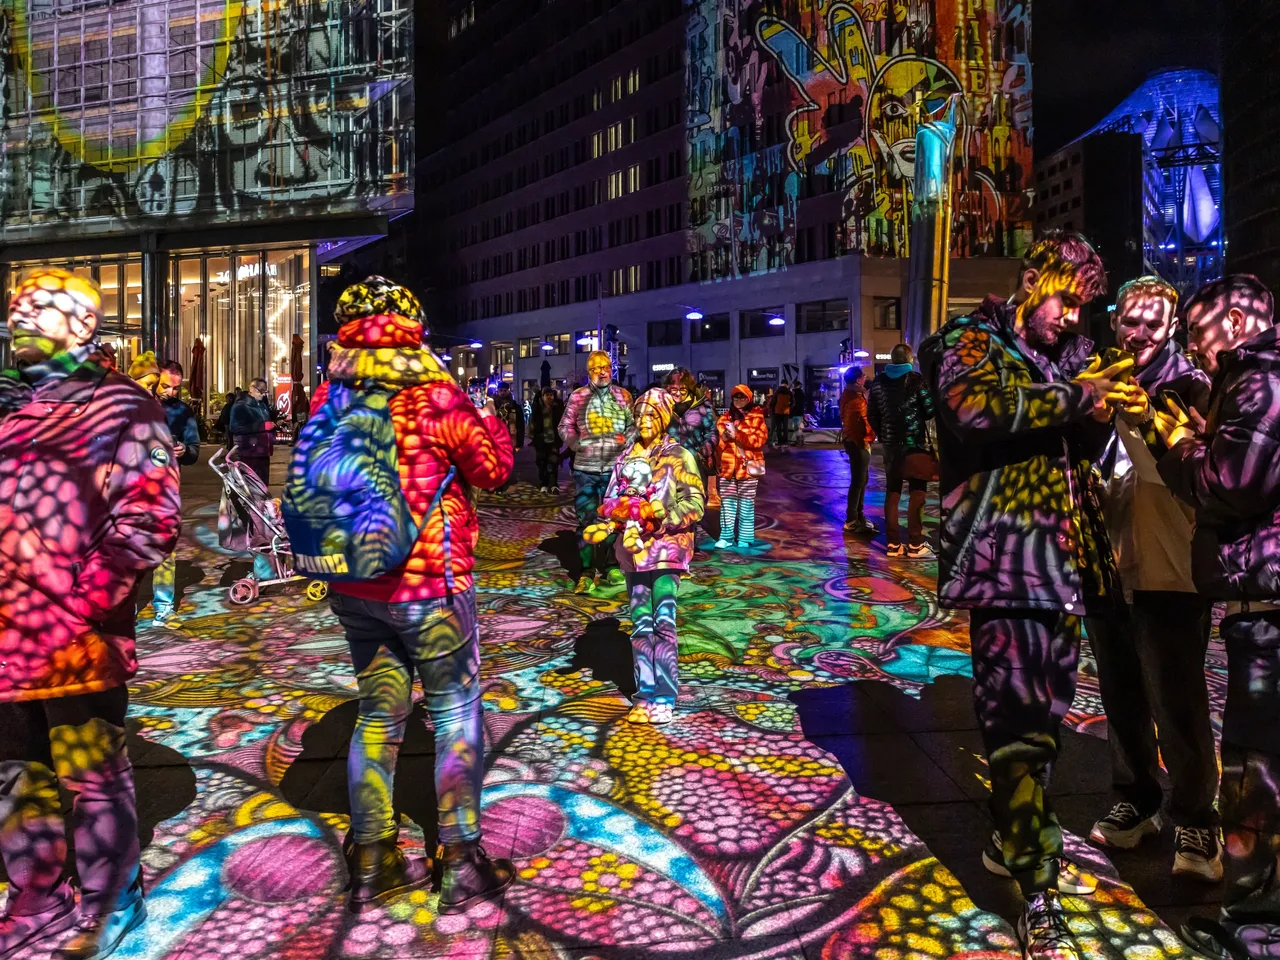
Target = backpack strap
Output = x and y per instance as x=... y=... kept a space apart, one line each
x=438 y=501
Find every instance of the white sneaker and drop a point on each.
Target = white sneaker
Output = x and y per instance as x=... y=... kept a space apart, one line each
x=723 y=544
x=1125 y=827
x=1197 y=853
x=1072 y=881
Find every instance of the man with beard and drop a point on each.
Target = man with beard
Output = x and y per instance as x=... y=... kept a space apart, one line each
x=1023 y=547
x=1226 y=469
x=1151 y=654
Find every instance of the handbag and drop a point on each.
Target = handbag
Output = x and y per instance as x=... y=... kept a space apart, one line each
x=755 y=469
x=921 y=463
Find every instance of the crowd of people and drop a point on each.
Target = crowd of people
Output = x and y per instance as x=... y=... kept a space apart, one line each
x=1115 y=495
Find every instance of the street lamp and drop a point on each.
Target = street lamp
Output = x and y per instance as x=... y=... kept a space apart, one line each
x=446 y=356
x=694 y=315
x=776 y=321
x=547 y=347
x=861 y=354
x=588 y=340
x=476 y=344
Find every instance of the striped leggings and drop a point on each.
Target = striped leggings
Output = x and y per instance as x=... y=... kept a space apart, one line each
x=738 y=510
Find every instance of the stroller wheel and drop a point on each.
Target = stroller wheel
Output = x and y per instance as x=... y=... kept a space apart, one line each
x=243 y=591
x=317 y=590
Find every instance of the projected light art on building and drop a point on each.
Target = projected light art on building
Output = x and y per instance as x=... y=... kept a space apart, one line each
x=800 y=98
x=147 y=114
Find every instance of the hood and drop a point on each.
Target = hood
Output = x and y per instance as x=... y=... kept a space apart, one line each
x=743 y=389
x=386 y=348
x=1168 y=364
x=1262 y=351
x=661 y=401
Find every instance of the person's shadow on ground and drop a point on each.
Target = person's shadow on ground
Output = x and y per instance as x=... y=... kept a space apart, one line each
x=564 y=547
x=605 y=650
x=316 y=781
x=188 y=575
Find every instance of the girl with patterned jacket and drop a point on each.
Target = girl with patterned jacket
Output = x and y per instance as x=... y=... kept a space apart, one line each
x=743 y=432
x=660 y=470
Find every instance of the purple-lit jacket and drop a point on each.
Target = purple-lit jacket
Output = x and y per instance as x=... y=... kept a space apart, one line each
x=695 y=430
x=679 y=487
x=1231 y=476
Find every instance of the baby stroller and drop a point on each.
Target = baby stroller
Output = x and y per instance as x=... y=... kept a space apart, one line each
x=249 y=521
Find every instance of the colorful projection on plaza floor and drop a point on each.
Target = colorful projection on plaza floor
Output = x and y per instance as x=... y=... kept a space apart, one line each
x=790 y=99
x=120 y=116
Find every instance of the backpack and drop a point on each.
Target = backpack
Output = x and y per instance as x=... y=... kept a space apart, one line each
x=344 y=510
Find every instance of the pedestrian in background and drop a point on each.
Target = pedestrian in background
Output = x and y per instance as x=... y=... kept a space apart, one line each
x=184 y=431
x=510 y=413
x=899 y=407
x=544 y=433
x=252 y=425
x=798 y=411
x=780 y=421
x=742 y=432
x=858 y=437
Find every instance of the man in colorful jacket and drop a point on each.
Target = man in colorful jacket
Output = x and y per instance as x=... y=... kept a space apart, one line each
x=1150 y=655
x=88 y=503
x=596 y=425
x=420 y=620
x=858 y=437
x=1023 y=546
x=1226 y=469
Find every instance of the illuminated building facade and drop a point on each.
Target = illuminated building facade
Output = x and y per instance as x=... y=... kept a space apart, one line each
x=200 y=159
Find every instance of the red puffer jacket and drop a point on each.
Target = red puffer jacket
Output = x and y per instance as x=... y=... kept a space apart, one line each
x=437 y=426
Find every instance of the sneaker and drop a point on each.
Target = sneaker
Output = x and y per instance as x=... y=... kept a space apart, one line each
x=542 y=489
x=584 y=584
x=469 y=875
x=99 y=937
x=1197 y=853
x=920 y=551
x=661 y=713
x=639 y=713
x=723 y=544
x=745 y=544
x=380 y=871
x=165 y=619
x=617 y=578
x=19 y=933
x=1043 y=930
x=895 y=551
x=556 y=491
x=860 y=526
x=1125 y=827
x=1071 y=879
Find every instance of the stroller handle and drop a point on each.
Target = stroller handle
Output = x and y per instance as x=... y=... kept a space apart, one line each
x=218 y=461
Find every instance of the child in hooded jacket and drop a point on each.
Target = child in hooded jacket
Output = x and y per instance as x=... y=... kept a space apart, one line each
x=743 y=432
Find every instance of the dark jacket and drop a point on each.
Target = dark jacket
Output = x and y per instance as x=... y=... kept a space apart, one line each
x=184 y=428
x=1021 y=520
x=899 y=408
x=511 y=412
x=248 y=426
x=1231 y=476
x=539 y=435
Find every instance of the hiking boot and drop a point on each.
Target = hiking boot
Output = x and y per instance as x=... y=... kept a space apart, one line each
x=1125 y=827
x=1197 y=853
x=469 y=875
x=1071 y=879
x=584 y=584
x=895 y=551
x=920 y=551
x=19 y=933
x=1043 y=930
x=380 y=872
x=98 y=937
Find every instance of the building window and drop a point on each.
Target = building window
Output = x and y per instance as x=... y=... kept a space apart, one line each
x=615 y=185
x=755 y=323
x=633 y=80
x=887 y=313
x=710 y=328
x=824 y=316
x=615 y=89
x=633 y=178
x=633 y=278
x=666 y=333
x=560 y=341
x=529 y=347
x=597 y=144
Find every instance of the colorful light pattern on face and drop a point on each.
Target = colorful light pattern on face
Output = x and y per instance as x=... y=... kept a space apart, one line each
x=726 y=833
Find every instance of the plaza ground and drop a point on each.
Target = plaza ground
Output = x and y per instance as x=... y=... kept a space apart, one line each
x=820 y=795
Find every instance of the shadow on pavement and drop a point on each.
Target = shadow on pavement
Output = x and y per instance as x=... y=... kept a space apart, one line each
x=605 y=650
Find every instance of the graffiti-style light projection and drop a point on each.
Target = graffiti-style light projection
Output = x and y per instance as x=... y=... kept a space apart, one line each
x=791 y=99
x=118 y=117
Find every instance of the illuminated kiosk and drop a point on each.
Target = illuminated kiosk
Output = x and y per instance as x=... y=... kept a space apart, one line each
x=201 y=159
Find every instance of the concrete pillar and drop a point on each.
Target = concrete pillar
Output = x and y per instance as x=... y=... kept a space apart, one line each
x=312 y=378
x=734 y=373
x=157 y=322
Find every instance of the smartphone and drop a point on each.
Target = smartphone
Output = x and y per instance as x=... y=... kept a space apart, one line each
x=1113 y=355
x=1173 y=403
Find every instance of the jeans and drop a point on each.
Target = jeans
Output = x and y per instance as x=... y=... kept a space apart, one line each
x=76 y=742
x=654 y=647
x=164 y=586
x=893 y=481
x=1151 y=677
x=779 y=424
x=548 y=461
x=738 y=510
x=439 y=640
x=859 y=467
x=1024 y=678
x=589 y=490
x=797 y=431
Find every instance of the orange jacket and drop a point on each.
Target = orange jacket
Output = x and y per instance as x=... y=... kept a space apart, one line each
x=751 y=432
x=853 y=417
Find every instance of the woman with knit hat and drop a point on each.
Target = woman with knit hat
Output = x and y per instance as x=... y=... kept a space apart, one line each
x=656 y=467
x=743 y=433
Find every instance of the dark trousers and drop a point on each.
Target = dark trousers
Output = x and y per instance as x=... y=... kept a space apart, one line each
x=259 y=465
x=1024 y=679
x=589 y=491
x=780 y=423
x=548 y=461
x=1151 y=676
x=859 y=466
x=918 y=489
x=77 y=742
x=1250 y=801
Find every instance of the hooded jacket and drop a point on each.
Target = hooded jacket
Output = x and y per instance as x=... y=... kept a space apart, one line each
x=596 y=426
x=751 y=433
x=1021 y=519
x=856 y=427
x=437 y=426
x=899 y=409
x=1231 y=477
x=542 y=437
x=694 y=428
x=678 y=484
x=184 y=428
x=88 y=503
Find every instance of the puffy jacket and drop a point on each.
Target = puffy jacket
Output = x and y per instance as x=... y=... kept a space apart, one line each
x=1150 y=529
x=88 y=503
x=184 y=428
x=694 y=428
x=751 y=433
x=1230 y=476
x=437 y=426
x=899 y=408
x=675 y=474
x=853 y=416
x=1021 y=518
x=782 y=402
x=248 y=426
x=596 y=426
x=539 y=434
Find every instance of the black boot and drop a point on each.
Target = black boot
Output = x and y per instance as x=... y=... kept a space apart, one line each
x=380 y=871
x=470 y=875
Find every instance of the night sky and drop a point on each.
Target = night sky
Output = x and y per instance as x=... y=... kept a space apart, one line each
x=1091 y=54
